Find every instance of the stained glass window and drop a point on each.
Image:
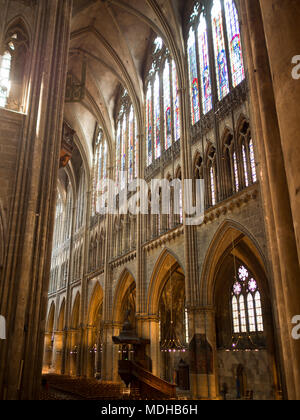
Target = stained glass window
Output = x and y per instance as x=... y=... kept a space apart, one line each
x=176 y=102
x=149 y=124
x=123 y=151
x=245 y=166
x=131 y=145
x=5 y=66
x=167 y=106
x=234 y=42
x=246 y=303
x=236 y=173
x=193 y=75
x=252 y=161
x=235 y=313
x=136 y=151
x=118 y=153
x=213 y=188
x=206 y=88
x=157 y=146
x=220 y=51
x=100 y=170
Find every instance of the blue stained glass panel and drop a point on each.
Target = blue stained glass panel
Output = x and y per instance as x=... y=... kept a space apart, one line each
x=220 y=52
x=204 y=66
x=234 y=41
x=193 y=75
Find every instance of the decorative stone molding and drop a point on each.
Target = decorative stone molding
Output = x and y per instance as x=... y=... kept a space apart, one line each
x=164 y=239
x=124 y=259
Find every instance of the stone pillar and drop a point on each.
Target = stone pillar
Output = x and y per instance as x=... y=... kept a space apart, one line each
x=281 y=20
x=57 y=352
x=155 y=353
x=275 y=194
x=25 y=276
x=203 y=354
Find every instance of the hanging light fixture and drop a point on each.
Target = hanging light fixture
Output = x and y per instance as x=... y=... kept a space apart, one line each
x=172 y=343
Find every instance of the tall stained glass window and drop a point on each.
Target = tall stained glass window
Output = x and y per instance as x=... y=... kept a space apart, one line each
x=100 y=170
x=176 y=107
x=206 y=88
x=126 y=142
x=219 y=49
x=167 y=106
x=162 y=103
x=234 y=42
x=157 y=146
x=5 y=66
x=252 y=161
x=246 y=303
x=193 y=76
x=131 y=144
x=149 y=115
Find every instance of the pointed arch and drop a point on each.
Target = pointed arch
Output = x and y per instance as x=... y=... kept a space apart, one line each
x=95 y=303
x=229 y=233
x=166 y=261
x=61 y=316
x=75 y=314
x=126 y=281
x=51 y=318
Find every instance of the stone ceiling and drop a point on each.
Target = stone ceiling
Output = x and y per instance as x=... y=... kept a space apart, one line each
x=114 y=36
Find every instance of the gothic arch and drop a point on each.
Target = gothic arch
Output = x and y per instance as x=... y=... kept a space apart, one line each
x=75 y=313
x=229 y=233
x=126 y=281
x=61 y=316
x=51 y=318
x=95 y=303
x=159 y=278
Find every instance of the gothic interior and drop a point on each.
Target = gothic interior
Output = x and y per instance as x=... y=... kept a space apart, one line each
x=92 y=91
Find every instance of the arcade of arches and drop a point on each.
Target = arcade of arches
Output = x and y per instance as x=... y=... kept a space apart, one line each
x=123 y=90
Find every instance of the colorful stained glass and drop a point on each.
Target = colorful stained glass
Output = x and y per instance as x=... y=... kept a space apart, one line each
x=236 y=173
x=234 y=42
x=245 y=166
x=206 y=88
x=193 y=75
x=237 y=288
x=252 y=285
x=252 y=161
x=118 y=153
x=167 y=106
x=131 y=145
x=123 y=151
x=243 y=273
x=220 y=52
x=149 y=124
x=176 y=106
x=5 y=67
x=136 y=151
x=157 y=145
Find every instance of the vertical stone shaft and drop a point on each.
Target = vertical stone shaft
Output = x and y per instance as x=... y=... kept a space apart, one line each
x=26 y=272
x=279 y=221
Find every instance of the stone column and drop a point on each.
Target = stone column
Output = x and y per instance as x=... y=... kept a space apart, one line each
x=26 y=273
x=281 y=20
x=203 y=354
x=155 y=353
x=275 y=194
